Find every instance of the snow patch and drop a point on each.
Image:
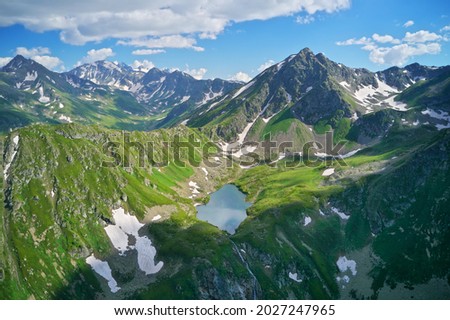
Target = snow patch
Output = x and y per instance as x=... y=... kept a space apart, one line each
x=294 y=276
x=194 y=188
x=43 y=98
x=128 y=225
x=31 y=76
x=156 y=218
x=65 y=118
x=344 y=264
x=307 y=221
x=328 y=172
x=440 y=115
x=206 y=173
x=341 y=214
x=103 y=269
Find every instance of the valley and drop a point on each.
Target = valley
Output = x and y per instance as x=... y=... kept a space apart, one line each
x=105 y=206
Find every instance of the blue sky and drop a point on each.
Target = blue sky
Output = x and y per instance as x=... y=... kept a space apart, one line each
x=225 y=39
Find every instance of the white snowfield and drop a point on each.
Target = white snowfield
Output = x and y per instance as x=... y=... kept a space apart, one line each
x=104 y=270
x=8 y=163
x=344 y=264
x=128 y=225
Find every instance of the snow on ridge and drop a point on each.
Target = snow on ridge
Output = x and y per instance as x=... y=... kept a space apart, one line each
x=242 y=89
x=8 y=164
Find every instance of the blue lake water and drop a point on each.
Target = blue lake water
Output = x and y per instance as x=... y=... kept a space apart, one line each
x=226 y=208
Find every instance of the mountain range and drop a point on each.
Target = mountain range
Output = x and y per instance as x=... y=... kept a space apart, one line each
x=321 y=225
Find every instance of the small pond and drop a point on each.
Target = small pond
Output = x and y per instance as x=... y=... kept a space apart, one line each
x=226 y=208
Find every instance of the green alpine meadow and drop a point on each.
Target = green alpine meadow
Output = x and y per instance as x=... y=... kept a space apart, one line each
x=320 y=225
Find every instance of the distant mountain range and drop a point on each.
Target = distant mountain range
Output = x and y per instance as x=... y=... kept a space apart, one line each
x=102 y=92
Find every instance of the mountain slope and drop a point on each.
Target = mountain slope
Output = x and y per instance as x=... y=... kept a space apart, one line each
x=302 y=222
x=319 y=93
x=31 y=93
x=159 y=90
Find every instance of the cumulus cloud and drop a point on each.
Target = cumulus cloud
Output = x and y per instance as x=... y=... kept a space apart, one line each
x=398 y=55
x=4 y=61
x=421 y=36
x=385 y=39
x=266 y=65
x=174 y=41
x=43 y=56
x=400 y=51
x=96 y=55
x=241 y=76
x=446 y=28
x=354 y=41
x=196 y=73
x=147 y=52
x=143 y=65
x=305 y=19
x=28 y=53
x=85 y=20
x=408 y=23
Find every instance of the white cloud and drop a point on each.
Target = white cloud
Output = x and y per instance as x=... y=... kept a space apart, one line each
x=87 y=20
x=174 y=41
x=196 y=73
x=354 y=41
x=52 y=63
x=305 y=19
x=413 y=44
x=147 y=52
x=96 y=55
x=143 y=65
x=28 y=53
x=421 y=36
x=398 y=55
x=385 y=39
x=446 y=28
x=241 y=76
x=266 y=65
x=4 y=61
x=42 y=55
x=408 y=23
